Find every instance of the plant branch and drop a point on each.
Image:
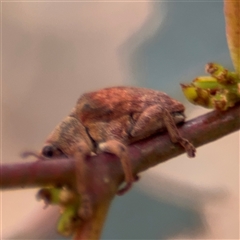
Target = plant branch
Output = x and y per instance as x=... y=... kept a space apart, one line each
x=143 y=154
x=104 y=171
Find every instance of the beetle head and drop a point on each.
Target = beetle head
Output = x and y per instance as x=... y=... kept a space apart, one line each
x=51 y=151
x=64 y=139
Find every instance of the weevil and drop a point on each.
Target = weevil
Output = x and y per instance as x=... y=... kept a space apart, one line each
x=110 y=119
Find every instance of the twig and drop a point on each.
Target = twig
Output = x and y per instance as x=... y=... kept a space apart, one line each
x=144 y=154
x=105 y=172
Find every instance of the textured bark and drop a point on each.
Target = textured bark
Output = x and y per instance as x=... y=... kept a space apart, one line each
x=105 y=172
x=144 y=154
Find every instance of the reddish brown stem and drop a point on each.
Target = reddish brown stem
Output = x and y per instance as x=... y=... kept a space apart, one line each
x=143 y=154
x=105 y=171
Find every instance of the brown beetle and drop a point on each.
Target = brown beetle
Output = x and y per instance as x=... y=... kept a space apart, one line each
x=110 y=119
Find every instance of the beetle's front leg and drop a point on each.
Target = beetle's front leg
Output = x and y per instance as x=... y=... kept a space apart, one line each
x=120 y=150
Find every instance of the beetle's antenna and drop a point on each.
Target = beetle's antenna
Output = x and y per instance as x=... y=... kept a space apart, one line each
x=27 y=154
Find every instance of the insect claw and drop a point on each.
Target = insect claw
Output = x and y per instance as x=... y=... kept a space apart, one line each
x=190 y=149
x=127 y=187
x=124 y=189
x=93 y=154
x=136 y=178
x=191 y=152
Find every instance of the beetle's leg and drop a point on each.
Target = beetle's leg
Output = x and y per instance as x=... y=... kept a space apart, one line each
x=175 y=135
x=156 y=117
x=120 y=150
x=151 y=120
x=80 y=154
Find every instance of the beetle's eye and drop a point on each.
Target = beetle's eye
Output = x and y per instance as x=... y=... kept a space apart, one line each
x=48 y=151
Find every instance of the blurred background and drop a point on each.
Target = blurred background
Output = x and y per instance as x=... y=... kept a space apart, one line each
x=52 y=52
